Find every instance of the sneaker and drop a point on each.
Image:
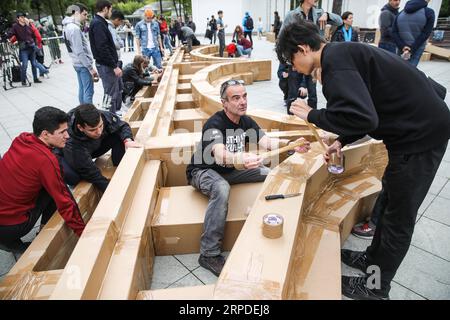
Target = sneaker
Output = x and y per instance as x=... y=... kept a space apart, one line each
x=213 y=264
x=24 y=83
x=355 y=288
x=364 y=230
x=37 y=81
x=16 y=247
x=120 y=113
x=355 y=259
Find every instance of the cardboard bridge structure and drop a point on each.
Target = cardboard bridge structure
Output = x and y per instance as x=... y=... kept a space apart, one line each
x=149 y=209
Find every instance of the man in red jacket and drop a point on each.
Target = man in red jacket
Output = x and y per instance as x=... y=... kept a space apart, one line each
x=31 y=181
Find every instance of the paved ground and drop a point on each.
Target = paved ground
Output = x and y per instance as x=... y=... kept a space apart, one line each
x=424 y=274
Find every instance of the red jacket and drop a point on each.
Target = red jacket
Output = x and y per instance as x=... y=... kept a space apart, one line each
x=163 y=26
x=245 y=43
x=231 y=48
x=37 y=35
x=27 y=167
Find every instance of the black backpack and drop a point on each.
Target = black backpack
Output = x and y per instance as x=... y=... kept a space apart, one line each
x=249 y=23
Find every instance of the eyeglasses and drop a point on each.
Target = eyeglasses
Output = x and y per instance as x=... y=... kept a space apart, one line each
x=228 y=83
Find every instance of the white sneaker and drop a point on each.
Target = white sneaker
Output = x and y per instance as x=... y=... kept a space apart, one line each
x=120 y=113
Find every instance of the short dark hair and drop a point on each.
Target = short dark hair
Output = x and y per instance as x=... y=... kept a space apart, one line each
x=77 y=7
x=48 y=118
x=116 y=14
x=219 y=12
x=300 y=32
x=87 y=114
x=82 y=7
x=346 y=14
x=101 y=4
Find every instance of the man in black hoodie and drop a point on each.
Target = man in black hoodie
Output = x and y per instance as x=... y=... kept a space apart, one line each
x=93 y=133
x=386 y=20
x=412 y=28
x=371 y=91
x=105 y=54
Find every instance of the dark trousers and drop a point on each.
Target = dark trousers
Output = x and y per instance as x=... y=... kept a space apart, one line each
x=221 y=36
x=112 y=142
x=45 y=207
x=406 y=181
x=112 y=87
x=312 y=92
x=284 y=86
x=249 y=34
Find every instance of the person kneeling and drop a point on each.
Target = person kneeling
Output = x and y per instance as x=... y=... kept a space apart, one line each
x=221 y=160
x=31 y=182
x=135 y=77
x=92 y=133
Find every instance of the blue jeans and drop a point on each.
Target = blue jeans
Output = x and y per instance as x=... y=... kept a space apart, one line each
x=85 y=85
x=415 y=57
x=388 y=46
x=130 y=38
x=243 y=51
x=217 y=188
x=167 y=44
x=30 y=54
x=155 y=54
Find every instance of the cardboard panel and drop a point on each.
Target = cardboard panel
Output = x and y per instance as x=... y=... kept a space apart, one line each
x=178 y=221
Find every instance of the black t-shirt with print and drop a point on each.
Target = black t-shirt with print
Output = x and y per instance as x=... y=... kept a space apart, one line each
x=219 y=129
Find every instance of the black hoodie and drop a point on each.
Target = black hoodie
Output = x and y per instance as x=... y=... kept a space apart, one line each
x=372 y=91
x=80 y=148
x=386 y=20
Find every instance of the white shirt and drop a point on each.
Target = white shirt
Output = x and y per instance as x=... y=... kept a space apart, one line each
x=150 y=42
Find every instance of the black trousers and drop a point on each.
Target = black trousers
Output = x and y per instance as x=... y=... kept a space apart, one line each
x=45 y=207
x=112 y=142
x=249 y=34
x=406 y=181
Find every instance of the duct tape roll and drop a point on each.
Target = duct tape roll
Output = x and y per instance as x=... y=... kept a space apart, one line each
x=272 y=226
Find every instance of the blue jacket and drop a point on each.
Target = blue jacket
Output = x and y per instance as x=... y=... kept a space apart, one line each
x=102 y=43
x=413 y=26
x=142 y=33
x=244 y=23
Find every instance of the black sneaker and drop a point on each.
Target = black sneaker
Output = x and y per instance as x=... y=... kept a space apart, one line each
x=37 y=80
x=213 y=264
x=355 y=288
x=16 y=247
x=355 y=259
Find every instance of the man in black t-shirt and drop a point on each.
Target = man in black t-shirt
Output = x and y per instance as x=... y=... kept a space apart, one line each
x=221 y=160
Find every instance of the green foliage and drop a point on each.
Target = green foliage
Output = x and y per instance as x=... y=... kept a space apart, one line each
x=128 y=7
x=445 y=9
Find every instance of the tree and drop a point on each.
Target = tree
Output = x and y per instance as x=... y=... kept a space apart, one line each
x=445 y=9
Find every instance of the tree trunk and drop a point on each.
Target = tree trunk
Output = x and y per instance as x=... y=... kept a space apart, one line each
x=161 y=7
x=61 y=9
x=175 y=6
x=52 y=12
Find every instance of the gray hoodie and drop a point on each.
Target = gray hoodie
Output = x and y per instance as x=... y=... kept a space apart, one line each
x=77 y=44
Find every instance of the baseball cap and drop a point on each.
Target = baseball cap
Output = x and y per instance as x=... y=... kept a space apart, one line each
x=21 y=14
x=149 y=13
x=72 y=9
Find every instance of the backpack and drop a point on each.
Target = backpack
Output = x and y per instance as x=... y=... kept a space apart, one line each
x=249 y=23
